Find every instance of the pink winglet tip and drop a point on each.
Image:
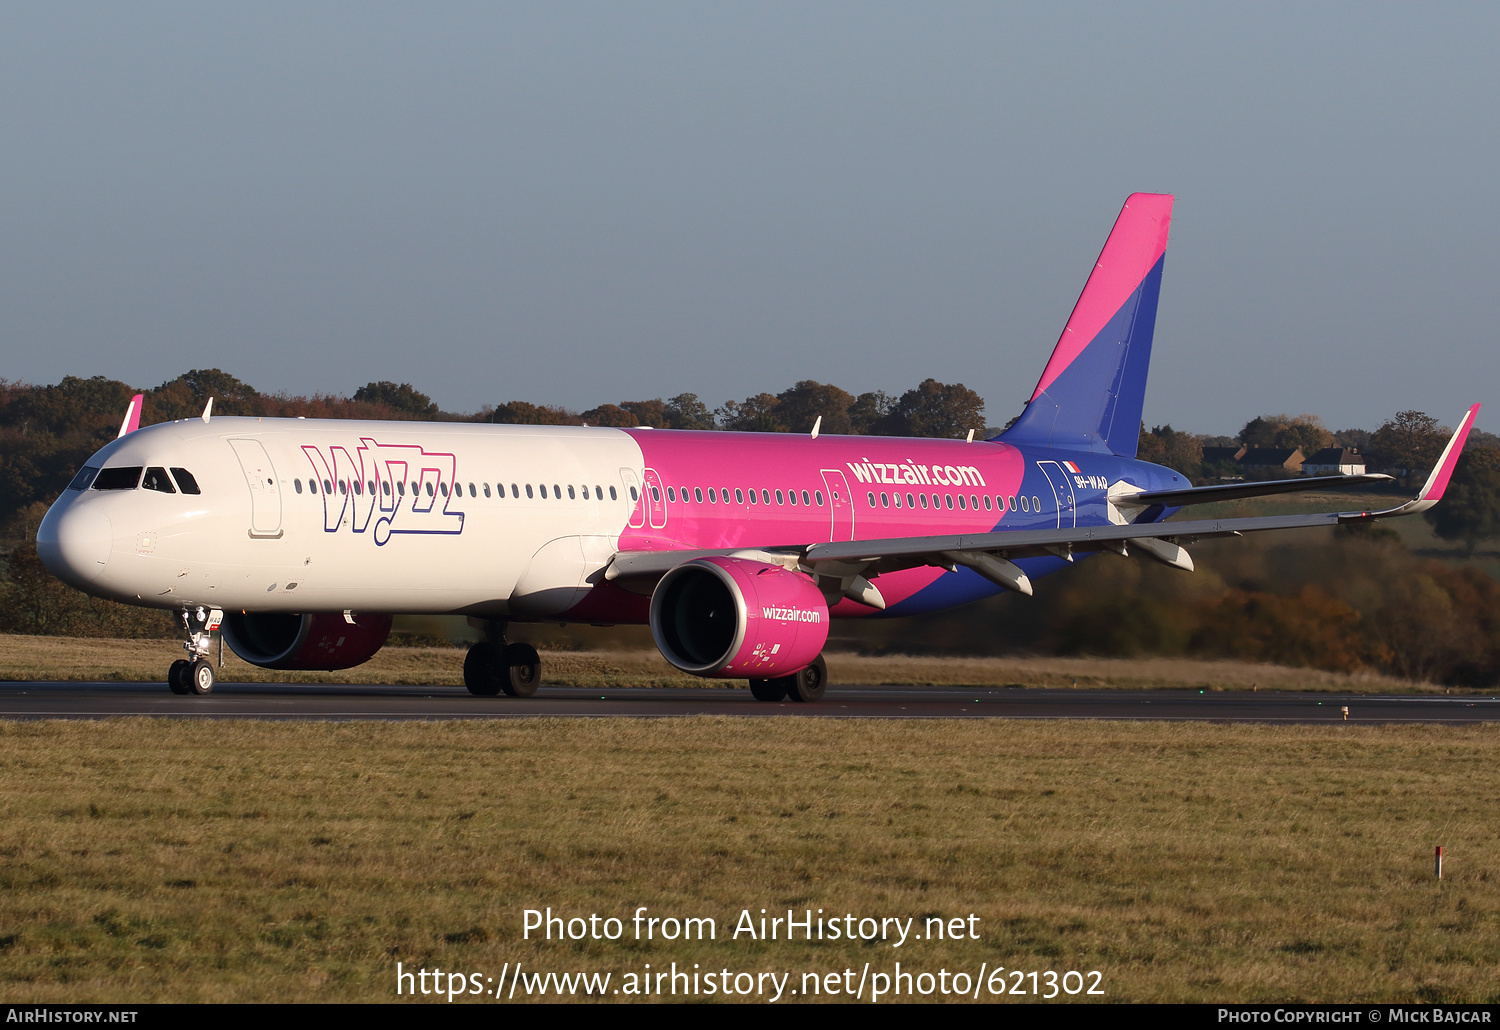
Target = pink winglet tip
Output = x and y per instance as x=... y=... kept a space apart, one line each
x=132 y=420
x=1444 y=471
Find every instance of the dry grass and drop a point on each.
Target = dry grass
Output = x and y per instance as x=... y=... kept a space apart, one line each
x=66 y=658
x=172 y=861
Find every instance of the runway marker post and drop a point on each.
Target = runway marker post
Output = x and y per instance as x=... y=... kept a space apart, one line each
x=1438 y=862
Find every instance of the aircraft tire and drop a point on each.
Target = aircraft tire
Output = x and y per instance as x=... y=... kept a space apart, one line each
x=482 y=671
x=522 y=672
x=769 y=690
x=177 y=676
x=200 y=677
x=809 y=684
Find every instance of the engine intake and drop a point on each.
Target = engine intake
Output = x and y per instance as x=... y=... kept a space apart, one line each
x=735 y=618
x=323 y=641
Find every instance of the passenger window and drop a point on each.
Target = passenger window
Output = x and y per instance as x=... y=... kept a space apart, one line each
x=804 y=498
x=528 y=490
x=871 y=498
x=961 y=505
x=401 y=488
x=612 y=495
x=671 y=493
x=572 y=496
x=515 y=491
x=924 y=501
x=297 y=484
x=328 y=486
x=885 y=499
x=416 y=489
x=986 y=502
x=156 y=479
x=818 y=494
x=83 y=479
x=698 y=494
x=344 y=486
x=765 y=496
x=739 y=498
x=598 y=492
x=1011 y=504
x=949 y=499
x=385 y=488
x=633 y=495
x=713 y=498
x=751 y=494
x=1024 y=505
x=782 y=500
x=472 y=491
x=430 y=491
x=910 y=501
x=486 y=489
x=656 y=495
x=973 y=502
x=1036 y=504
x=895 y=499
x=556 y=491
x=357 y=488
x=791 y=495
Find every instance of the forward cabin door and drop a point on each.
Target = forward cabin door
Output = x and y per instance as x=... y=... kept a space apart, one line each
x=260 y=477
x=1062 y=493
x=633 y=494
x=840 y=505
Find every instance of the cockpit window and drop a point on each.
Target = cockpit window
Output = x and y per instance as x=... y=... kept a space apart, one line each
x=118 y=478
x=83 y=479
x=156 y=479
x=185 y=481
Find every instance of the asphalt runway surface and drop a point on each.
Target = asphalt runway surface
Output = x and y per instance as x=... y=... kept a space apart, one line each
x=62 y=700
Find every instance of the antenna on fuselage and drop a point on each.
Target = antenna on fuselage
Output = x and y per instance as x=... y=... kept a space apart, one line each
x=817 y=424
x=971 y=437
x=207 y=410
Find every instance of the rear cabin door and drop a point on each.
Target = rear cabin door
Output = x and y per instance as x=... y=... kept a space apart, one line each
x=260 y=477
x=1062 y=492
x=656 y=504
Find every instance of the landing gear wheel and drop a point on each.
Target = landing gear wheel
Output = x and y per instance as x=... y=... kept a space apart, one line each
x=177 y=676
x=523 y=670
x=200 y=677
x=768 y=690
x=482 y=671
x=810 y=683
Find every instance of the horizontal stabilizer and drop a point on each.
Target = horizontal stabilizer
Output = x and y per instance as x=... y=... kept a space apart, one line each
x=1237 y=491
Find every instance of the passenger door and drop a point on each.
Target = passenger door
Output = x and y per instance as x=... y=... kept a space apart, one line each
x=260 y=477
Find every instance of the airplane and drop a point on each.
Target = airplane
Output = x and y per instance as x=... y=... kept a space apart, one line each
x=297 y=540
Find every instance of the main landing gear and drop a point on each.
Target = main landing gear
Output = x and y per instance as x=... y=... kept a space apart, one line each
x=807 y=685
x=494 y=667
x=195 y=673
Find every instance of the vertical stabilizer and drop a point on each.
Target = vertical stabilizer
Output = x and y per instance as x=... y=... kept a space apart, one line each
x=1091 y=393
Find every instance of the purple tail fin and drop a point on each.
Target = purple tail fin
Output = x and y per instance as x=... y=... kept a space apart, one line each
x=1091 y=393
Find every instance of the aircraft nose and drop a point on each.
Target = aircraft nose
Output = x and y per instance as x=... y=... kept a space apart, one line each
x=74 y=543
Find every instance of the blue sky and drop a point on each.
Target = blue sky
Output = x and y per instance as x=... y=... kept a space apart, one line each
x=582 y=203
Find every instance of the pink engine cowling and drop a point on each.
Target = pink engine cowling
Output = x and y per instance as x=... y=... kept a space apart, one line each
x=731 y=618
x=324 y=640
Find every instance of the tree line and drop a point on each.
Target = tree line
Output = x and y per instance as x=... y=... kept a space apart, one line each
x=1346 y=602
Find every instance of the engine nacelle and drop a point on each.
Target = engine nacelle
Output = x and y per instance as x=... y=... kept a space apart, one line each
x=322 y=641
x=731 y=617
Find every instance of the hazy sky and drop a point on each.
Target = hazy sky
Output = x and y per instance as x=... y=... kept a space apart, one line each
x=581 y=203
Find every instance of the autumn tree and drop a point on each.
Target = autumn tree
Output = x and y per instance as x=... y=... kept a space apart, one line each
x=1287 y=431
x=934 y=409
x=1164 y=445
x=756 y=414
x=1470 y=510
x=401 y=398
x=1410 y=442
x=524 y=413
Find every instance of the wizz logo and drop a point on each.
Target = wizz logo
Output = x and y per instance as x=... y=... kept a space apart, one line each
x=387 y=489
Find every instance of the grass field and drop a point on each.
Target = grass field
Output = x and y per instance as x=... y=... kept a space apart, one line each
x=153 y=860
x=66 y=658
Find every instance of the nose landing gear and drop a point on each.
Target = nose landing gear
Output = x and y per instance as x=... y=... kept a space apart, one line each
x=195 y=673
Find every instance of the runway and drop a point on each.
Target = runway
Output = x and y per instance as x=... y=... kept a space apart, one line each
x=66 y=700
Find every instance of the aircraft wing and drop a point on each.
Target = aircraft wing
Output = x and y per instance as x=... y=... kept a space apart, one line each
x=1235 y=491
x=991 y=554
